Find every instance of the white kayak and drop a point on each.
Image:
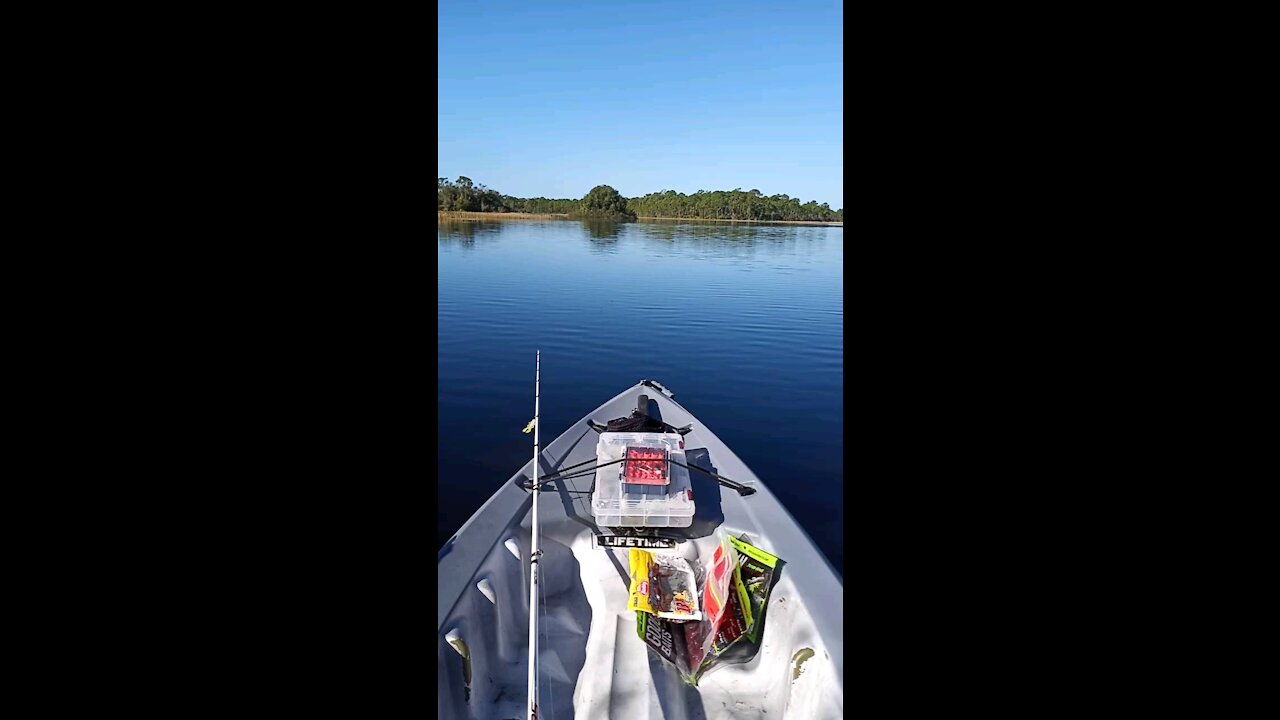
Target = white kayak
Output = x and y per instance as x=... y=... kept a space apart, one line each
x=591 y=664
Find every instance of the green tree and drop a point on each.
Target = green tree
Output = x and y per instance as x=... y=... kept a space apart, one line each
x=465 y=195
x=444 y=194
x=604 y=201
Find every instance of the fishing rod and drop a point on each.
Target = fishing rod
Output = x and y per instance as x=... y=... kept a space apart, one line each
x=534 y=552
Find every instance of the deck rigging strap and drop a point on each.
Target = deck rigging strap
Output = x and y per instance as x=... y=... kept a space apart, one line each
x=561 y=474
x=743 y=490
x=534 y=551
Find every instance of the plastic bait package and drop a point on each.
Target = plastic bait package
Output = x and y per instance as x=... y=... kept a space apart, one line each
x=673 y=588
x=722 y=581
x=641 y=564
x=731 y=626
x=758 y=571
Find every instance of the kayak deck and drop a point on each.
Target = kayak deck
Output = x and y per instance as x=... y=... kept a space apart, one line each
x=591 y=662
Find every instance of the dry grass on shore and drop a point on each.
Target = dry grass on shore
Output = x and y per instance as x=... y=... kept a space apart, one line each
x=459 y=215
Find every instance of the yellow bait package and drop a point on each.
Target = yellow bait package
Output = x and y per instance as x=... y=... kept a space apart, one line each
x=641 y=561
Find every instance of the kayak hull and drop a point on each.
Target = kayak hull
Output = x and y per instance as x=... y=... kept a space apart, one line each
x=591 y=662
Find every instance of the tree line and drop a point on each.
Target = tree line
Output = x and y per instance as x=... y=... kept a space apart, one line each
x=736 y=204
x=467 y=196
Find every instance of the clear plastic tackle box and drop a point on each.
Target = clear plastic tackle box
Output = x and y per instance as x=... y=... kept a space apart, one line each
x=649 y=493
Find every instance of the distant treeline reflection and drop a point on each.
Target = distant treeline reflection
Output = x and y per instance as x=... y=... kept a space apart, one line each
x=606 y=234
x=465 y=231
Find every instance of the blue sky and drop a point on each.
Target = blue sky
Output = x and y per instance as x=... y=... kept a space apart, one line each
x=551 y=98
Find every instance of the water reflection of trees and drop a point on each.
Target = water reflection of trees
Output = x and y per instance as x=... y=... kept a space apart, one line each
x=603 y=234
x=602 y=229
x=731 y=239
x=465 y=233
x=738 y=240
x=668 y=230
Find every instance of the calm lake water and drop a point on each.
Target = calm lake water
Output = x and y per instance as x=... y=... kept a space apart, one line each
x=743 y=323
